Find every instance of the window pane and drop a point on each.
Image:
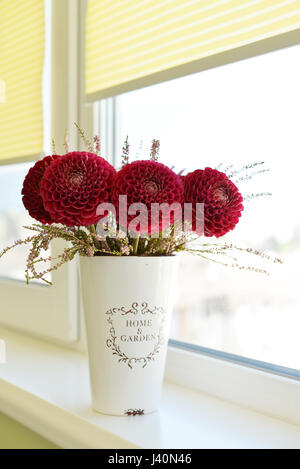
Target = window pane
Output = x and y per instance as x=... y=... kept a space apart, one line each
x=234 y=114
x=13 y=217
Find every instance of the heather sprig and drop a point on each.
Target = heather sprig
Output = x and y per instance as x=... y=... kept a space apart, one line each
x=208 y=250
x=97 y=143
x=53 y=147
x=246 y=167
x=125 y=152
x=248 y=197
x=67 y=141
x=155 y=146
x=233 y=175
x=88 y=143
x=247 y=177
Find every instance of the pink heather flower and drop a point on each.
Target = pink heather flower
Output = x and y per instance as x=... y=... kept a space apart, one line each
x=155 y=149
x=97 y=143
x=125 y=152
x=125 y=250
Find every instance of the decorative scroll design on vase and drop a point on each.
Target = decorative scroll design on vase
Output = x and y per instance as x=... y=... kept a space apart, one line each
x=155 y=310
x=132 y=310
x=112 y=343
x=134 y=412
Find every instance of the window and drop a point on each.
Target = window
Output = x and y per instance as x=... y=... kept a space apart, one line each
x=238 y=113
x=13 y=217
x=50 y=312
x=235 y=114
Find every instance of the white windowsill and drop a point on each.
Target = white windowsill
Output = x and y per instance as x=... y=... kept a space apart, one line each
x=46 y=388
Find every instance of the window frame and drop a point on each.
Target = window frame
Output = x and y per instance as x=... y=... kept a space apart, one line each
x=104 y=113
x=240 y=360
x=258 y=389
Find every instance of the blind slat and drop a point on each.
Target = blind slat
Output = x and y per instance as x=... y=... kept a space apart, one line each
x=21 y=68
x=131 y=40
x=2 y=91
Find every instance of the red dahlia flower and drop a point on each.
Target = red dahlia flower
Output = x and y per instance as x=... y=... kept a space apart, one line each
x=222 y=200
x=148 y=182
x=74 y=185
x=32 y=199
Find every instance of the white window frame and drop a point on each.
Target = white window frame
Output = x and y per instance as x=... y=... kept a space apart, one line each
x=53 y=312
x=245 y=383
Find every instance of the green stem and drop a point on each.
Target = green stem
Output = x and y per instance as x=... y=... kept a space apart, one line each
x=142 y=245
x=136 y=244
x=92 y=229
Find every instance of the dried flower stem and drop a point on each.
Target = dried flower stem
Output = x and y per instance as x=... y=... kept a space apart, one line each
x=66 y=142
x=254 y=196
x=234 y=265
x=125 y=152
x=247 y=177
x=244 y=168
x=155 y=150
x=53 y=148
x=88 y=143
x=97 y=143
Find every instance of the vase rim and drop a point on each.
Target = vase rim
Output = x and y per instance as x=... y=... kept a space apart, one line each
x=171 y=256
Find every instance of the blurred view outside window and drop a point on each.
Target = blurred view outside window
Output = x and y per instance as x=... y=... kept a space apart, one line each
x=13 y=217
x=235 y=114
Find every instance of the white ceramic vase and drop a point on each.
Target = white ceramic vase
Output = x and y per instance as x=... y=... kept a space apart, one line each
x=127 y=304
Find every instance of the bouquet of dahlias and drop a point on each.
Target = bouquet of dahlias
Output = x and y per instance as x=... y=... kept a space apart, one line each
x=143 y=209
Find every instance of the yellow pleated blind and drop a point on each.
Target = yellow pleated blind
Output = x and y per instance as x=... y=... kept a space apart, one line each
x=21 y=67
x=128 y=40
x=2 y=91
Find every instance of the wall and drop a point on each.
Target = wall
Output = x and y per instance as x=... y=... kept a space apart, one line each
x=16 y=436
